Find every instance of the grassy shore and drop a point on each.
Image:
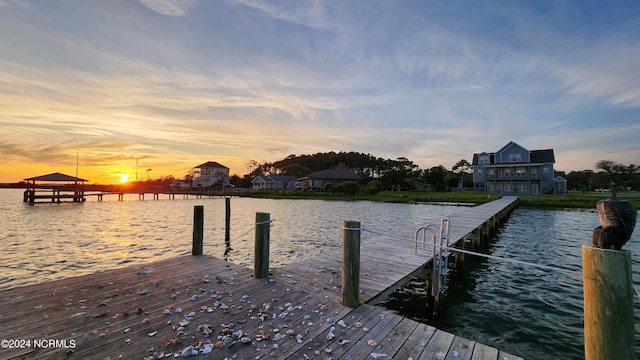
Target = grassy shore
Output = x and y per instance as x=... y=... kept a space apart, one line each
x=569 y=201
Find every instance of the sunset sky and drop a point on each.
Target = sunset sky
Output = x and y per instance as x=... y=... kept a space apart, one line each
x=178 y=83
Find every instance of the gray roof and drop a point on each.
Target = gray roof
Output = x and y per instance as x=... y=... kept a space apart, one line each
x=56 y=176
x=335 y=174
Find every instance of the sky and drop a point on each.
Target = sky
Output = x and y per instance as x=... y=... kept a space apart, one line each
x=118 y=86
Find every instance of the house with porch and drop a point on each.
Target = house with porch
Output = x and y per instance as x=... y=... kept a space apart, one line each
x=334 y=176
x=515 y=170
x=276 y=182
x=209 y=174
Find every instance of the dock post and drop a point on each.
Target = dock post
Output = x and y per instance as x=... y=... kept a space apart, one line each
x=261 y=257
x=198 y=227
x=608 y=304
x=227 y=227
x=351 y=264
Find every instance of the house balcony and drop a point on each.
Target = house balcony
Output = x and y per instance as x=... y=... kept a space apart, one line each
x=512 y=177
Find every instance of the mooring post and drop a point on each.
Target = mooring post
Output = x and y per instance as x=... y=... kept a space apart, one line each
x=351 y=264
x=198 y=230
x=261 y=257
x=227 y=222
x=609 y=331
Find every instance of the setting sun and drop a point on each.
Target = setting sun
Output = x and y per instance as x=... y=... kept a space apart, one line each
x=124 y=178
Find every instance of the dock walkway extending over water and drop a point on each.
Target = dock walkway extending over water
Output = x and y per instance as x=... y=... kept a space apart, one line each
x=190 y=304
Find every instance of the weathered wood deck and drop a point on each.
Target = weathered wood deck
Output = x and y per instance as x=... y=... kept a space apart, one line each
x=164 y=307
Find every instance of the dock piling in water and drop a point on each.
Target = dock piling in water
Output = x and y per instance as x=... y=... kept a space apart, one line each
x=609 y=331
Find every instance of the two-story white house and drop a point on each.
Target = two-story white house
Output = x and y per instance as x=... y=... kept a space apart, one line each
x=210 y=173
x=515 y=170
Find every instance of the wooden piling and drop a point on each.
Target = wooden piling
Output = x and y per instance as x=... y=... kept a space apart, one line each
x=227 y=222
x=198 y=230
x=608 y=304
x=261 y=257
x=351 y=264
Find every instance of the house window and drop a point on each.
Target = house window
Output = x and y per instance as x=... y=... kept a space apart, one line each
x=506 y=187
x=491 y=172
x=545 y=170
x=522 y=187
x=490 y=187
x=520 y=171
x=514 y=157
x=484 y=159
x=507 y=172
x=479 y=172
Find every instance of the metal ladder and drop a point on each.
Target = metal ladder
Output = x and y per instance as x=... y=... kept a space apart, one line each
x=440 y=256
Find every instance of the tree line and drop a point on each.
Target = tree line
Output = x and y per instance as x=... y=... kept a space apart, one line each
x=393 y=174
x=403 y=174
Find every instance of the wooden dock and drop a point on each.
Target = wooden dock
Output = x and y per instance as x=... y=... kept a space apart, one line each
x=202 y=304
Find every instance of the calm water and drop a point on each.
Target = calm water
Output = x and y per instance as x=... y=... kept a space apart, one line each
x=50 y=241
x=529 y=312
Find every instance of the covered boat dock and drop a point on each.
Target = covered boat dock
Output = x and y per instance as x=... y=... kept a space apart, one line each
x=71 y=190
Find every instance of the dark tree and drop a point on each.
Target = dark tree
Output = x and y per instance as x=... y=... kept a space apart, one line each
x=618 y=174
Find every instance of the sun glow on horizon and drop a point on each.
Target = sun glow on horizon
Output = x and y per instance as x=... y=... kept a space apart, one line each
x=124 y=178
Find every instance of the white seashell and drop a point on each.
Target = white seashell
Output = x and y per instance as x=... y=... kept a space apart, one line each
x=342 y=323
x=245 y=340
x=127 y=330
x=299 y=338
x=365 y=329
x=330 y=335
x=328 y=350
x=342 y=342
x=191 y=314
x=179 y=310
x=167 y=311
x=357 y=324
x=184 y=322
x=153 y=333
x=207 y=349
x=377 y=355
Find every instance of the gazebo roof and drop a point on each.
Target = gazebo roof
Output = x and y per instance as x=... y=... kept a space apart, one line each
x=56 y=176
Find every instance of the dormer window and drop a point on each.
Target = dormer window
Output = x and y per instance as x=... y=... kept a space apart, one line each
x=514 y=158
x=483 y=159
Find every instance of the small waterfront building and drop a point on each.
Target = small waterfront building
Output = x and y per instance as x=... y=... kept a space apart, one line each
x=514 y=170
x=209 y=174
x=275 y=182
x=331 y=176
x=72 y=188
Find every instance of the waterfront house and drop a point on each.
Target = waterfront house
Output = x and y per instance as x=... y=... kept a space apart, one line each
x=332 y=176
x=514 y=170
x=210 y=173
x=275 y=182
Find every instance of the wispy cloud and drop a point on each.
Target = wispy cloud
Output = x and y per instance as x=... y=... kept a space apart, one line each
x=169 y=7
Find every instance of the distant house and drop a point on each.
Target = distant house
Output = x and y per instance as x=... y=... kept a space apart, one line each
x=332 y=176
x=210 y=173
x=515 y=170
x=275 y=182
